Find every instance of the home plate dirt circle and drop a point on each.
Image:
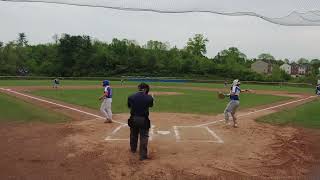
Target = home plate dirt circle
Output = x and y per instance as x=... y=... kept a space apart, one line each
x=254 y=149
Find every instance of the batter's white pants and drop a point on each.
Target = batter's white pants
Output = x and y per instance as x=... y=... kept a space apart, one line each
x=106 y=108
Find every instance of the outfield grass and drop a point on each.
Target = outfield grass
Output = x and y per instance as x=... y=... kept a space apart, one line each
x=206 y=85
x=307 y=115
x=191 y=101
x=12 y=109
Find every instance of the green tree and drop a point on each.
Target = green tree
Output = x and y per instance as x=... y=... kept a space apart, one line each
x=197 y=45
x=266 y=56
x=157 y=45
x=232 y=56
x=22 y=40
x=303 y=61
x=286 y=61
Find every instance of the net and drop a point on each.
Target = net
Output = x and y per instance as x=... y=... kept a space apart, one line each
x=284 y=12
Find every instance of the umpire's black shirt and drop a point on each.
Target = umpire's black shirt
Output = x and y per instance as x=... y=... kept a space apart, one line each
x=139 y=103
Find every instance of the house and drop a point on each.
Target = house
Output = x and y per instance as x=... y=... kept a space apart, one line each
x=300 y=70
x=262 y=67
x=294 y=69
x=286 y=67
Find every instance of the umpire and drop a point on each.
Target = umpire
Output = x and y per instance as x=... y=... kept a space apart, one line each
x=139 y=122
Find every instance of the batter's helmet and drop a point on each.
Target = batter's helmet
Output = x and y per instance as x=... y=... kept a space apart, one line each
x=105 y=83
x=236 y=82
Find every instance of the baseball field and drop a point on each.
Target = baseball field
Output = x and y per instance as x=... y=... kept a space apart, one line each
x=49 y=133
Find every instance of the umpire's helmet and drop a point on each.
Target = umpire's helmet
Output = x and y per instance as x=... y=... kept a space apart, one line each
x=144 y=87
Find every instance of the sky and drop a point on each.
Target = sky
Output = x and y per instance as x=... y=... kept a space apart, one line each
x=251 y=35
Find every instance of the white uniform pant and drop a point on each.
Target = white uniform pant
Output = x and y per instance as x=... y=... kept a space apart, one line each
x=106 y=108
x=231 y=108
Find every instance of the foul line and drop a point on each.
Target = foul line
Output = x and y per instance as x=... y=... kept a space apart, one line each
x=56 y=104
x=273 y=107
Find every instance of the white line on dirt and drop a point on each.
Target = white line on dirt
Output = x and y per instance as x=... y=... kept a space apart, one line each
x=109 y=138
x=56 y=104
x=152 y=132
x=273 y=107
x=178 y=137
x=176 y=133
x=214 y=135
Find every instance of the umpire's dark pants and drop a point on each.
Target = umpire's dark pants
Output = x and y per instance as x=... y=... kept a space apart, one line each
x=144 y=136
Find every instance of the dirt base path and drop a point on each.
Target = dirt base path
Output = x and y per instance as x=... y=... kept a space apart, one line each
x=183 y=146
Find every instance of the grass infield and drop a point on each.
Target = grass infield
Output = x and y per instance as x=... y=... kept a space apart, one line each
x=190 y=101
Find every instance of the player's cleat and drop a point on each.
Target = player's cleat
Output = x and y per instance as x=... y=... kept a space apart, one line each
x=108 y=121
x=235 y=125
x=143 y=158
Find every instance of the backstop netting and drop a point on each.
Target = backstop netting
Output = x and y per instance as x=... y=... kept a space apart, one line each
x=282 y=12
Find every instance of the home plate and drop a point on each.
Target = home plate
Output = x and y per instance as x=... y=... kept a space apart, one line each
x=163 y=132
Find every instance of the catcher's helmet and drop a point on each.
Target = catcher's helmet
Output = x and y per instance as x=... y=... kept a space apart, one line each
x=105 y=83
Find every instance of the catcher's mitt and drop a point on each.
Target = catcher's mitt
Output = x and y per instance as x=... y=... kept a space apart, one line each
x=221 y=95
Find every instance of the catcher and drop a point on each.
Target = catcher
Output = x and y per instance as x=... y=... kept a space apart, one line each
x=234 y=102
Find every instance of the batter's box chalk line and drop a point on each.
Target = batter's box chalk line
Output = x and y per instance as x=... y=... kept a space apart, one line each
x=117 y=129
x=178 y=136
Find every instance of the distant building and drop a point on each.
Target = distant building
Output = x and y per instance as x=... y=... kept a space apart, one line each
x=262 y=67
x=300 y=70
x=294 y=69
x=286 y=67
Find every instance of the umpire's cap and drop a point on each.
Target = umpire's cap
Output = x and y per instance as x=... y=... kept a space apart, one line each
x=144 y=87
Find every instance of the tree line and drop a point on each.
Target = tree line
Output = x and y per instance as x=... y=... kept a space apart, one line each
x=80 y=56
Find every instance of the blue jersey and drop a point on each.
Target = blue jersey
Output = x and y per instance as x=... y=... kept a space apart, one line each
x=108 y=92
x=318 y=88
x=235 y=92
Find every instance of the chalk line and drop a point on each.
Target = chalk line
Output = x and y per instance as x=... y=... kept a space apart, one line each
x=265 y=109
x=56 y=104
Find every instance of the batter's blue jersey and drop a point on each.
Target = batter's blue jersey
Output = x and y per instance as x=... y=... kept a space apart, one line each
x=235 y=92
x=108 y=92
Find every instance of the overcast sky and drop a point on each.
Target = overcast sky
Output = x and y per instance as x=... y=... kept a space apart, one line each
x=251 y=35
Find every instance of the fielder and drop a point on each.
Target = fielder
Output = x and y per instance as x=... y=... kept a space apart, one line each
x=107 y=101
x=56 y=83
x=234 y=102
x=318 y=89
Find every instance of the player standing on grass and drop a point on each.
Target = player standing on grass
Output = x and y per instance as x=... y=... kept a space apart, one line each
x=139 y=122
x=56 y=83
x=107 y=101
x=318 y=89
x=234 y=102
